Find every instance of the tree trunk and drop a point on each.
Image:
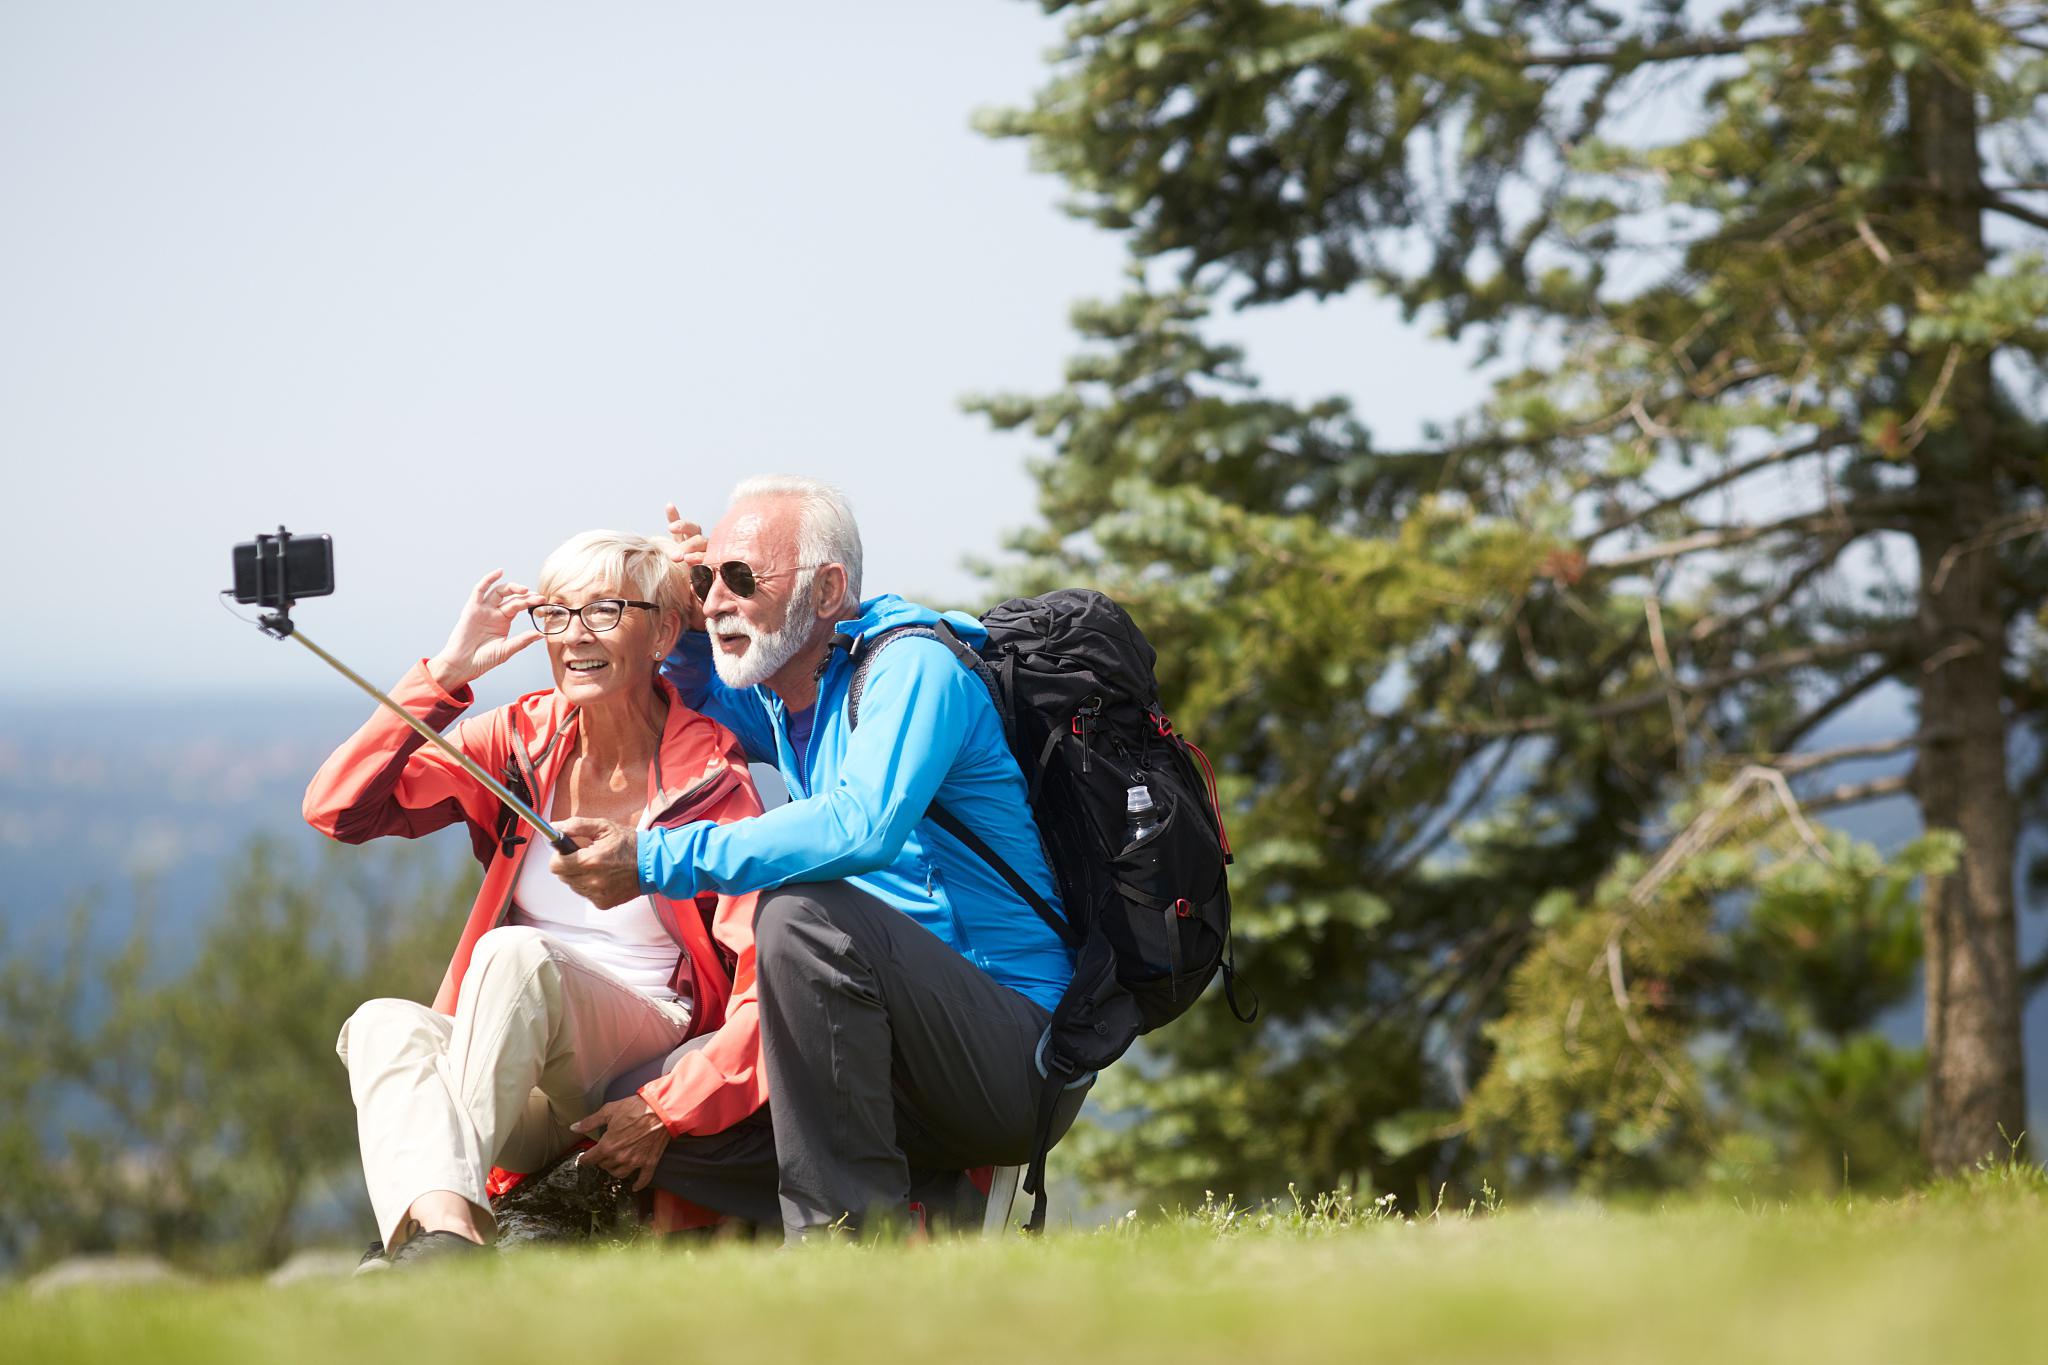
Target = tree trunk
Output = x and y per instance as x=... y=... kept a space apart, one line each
x=1976 y=1077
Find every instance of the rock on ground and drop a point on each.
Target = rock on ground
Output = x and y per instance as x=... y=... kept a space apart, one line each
x=104 y=1272
x=314 y=1263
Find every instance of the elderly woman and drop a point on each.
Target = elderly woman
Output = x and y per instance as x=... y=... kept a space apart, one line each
x=548 y=997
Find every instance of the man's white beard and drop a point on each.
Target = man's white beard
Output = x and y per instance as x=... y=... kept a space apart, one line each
x=770 y=649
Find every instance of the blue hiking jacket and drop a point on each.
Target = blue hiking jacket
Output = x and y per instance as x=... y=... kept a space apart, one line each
x=928 y=731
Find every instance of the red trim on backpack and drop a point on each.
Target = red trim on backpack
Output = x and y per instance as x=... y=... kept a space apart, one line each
x=1215 y=804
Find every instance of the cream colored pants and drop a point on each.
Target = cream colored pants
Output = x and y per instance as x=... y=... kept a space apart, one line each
x=537 y=1033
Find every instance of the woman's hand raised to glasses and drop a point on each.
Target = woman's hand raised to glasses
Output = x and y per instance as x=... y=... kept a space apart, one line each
x=482 y=638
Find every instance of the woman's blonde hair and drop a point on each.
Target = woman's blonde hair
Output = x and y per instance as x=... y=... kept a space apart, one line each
x=638 y=565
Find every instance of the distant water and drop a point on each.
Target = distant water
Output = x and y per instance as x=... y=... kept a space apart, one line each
x=141 y=803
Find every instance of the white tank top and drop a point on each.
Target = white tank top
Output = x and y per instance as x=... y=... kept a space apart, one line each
x=626 y=940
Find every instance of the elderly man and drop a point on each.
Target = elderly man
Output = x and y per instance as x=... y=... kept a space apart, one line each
x=904 y=986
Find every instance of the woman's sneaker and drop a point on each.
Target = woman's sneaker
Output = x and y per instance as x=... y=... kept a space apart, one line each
x=422 y=1247
x=373 y=1260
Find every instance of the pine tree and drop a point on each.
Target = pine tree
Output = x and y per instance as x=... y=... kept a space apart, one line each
x=1776 y=445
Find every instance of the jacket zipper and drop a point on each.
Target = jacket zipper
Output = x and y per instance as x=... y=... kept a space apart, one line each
x=692 y=796
x=543 y=800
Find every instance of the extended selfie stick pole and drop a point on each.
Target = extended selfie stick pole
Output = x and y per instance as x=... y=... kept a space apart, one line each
x=561 y=843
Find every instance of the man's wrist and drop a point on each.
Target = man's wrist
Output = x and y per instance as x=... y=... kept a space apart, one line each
x=666 y=863
x=643 y=861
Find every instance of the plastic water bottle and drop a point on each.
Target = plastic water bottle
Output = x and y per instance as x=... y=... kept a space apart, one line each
x=1141 y=817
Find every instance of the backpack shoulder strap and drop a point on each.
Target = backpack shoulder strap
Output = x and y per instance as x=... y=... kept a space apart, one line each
x=864 y=655
x=957 y=827
x=868 y=651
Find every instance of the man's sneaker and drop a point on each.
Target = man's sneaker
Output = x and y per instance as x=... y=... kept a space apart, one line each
x=569 y=1202
x=373 y=1260
x=423 y=1247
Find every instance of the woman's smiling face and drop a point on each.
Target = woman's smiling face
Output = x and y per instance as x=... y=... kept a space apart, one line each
x=592 y=667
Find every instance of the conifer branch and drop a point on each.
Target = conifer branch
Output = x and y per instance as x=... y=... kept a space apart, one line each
x=1706 y=684
x=1703 y=832
x=1705 y=829
x=1998 y=533
x=2033 y=976
x=1853 y=793
x=2019 y=211
x=1707 y=627
x=1480 y=790
x=1619 y=986
x=1868 y=513
x=1821 y=758
x=1731 y=474
x=1622 y=54
x=1674 y=695
x=1836 y=701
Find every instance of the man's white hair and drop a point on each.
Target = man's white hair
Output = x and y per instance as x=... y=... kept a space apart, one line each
x=826 y=531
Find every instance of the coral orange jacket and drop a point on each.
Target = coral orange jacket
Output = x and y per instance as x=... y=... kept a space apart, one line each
x=386 y=779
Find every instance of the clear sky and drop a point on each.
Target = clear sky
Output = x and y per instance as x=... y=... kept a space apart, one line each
x=452 y=281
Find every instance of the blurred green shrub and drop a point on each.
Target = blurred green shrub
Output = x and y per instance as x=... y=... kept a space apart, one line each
x=201 y=1113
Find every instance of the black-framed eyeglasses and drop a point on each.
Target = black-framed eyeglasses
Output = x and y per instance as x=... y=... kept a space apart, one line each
x=740 y=578
x=552 y=618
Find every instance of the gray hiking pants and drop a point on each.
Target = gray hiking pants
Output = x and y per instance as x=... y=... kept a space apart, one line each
x=892 y=1063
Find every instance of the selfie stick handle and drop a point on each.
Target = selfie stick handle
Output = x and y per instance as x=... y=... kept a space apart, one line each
x=561 y=843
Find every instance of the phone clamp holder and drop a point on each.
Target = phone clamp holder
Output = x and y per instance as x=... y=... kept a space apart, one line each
x=270 y=558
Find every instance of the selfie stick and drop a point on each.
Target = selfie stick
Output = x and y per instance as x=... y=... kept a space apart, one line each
x=280 y=625
x=560 y=842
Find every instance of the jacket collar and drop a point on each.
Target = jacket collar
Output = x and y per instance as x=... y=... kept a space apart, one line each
x=691 y=748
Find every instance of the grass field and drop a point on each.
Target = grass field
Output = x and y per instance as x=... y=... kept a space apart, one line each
x=1957 y=1279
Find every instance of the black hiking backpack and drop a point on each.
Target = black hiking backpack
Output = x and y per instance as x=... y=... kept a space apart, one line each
x=1148 y=921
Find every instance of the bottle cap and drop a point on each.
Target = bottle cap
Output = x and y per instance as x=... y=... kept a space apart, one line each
x=1137 y=798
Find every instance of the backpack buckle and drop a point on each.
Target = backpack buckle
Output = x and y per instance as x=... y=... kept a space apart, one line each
x=1050 y=1064
x=1163 y=725
x=1083 y=725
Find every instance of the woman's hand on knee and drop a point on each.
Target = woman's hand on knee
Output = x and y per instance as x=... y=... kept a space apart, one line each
x=634 y=1137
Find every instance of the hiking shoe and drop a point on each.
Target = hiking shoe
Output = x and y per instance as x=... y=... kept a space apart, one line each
x=423 y=1247
x=373 y=1260
x=569 y=1202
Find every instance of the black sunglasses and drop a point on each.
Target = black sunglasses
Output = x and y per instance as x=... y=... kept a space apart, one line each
x=739 y=576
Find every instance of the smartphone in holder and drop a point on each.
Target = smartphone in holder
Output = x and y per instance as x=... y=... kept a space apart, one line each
x=275 y=571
